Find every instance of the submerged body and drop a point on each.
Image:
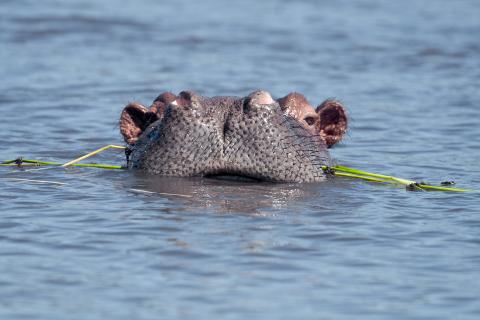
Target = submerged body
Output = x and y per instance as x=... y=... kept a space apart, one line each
x=254 y=136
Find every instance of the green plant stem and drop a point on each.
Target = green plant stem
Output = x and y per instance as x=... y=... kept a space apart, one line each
x=110 y=146
x=375 y=177
x=36 y=163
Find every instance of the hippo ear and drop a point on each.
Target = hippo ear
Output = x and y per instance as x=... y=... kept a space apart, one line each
x=134 y=120
x=333 y=122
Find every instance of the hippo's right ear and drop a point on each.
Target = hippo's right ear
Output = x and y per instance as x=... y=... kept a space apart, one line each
x=333 y=122
x=134 y=120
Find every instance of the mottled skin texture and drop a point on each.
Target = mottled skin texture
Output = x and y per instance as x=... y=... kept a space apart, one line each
x=254 y=136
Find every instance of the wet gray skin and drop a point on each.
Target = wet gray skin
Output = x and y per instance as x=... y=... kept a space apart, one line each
x=252 y=137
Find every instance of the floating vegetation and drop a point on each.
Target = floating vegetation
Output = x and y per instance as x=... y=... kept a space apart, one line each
x=410 y=185
x=20 y=162
x=37 y=163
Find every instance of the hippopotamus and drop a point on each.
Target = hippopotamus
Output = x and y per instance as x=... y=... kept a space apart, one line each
x=256 y=136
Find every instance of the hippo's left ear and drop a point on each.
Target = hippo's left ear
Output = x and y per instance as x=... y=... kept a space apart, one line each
x=134 y=120
x=333 y=121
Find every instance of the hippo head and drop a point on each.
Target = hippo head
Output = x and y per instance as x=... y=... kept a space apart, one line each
x=255 y=136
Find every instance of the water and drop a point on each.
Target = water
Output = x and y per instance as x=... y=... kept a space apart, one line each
x=120 y=245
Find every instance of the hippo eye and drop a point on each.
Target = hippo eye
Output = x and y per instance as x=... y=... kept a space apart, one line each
x=310 y=120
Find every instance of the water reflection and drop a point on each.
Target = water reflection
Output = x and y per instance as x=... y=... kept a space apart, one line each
x=223 y=196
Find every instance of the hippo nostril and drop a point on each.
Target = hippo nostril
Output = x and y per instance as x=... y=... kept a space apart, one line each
x=310 y=120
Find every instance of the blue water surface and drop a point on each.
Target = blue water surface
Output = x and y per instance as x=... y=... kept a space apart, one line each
x=121 y=245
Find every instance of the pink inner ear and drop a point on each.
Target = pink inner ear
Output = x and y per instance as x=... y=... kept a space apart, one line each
x=133 y=121
x=333 y=122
